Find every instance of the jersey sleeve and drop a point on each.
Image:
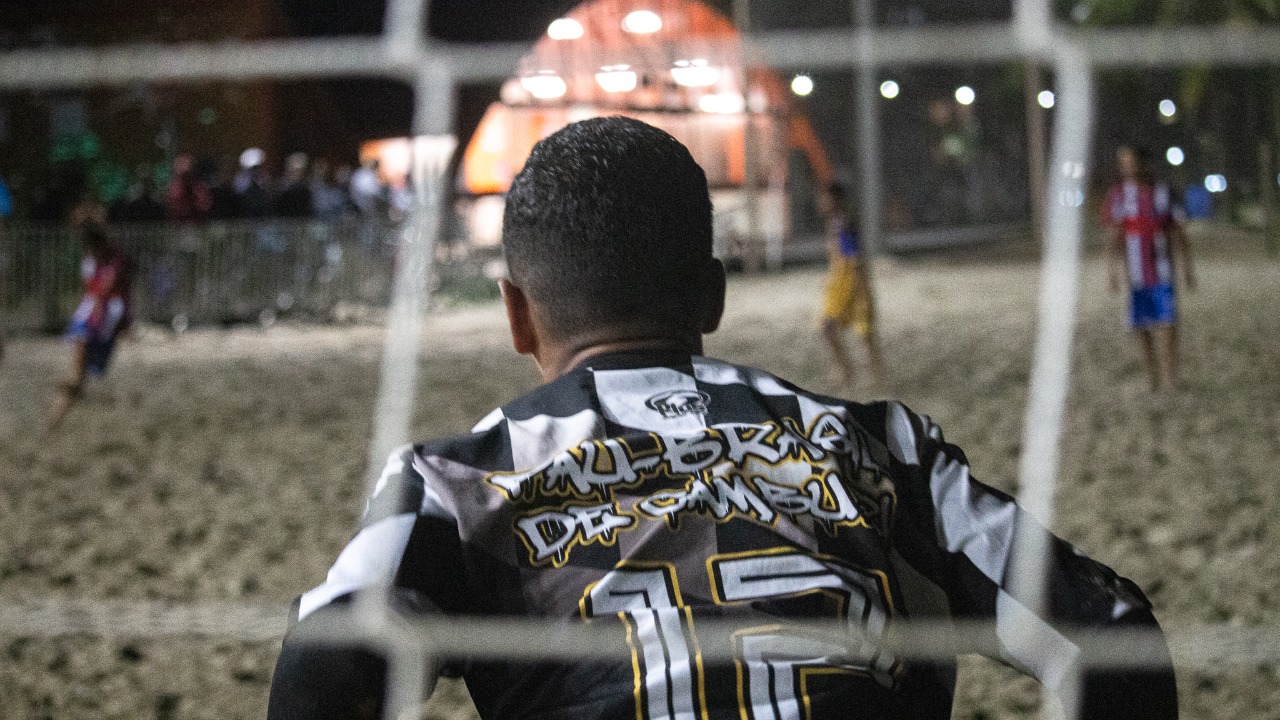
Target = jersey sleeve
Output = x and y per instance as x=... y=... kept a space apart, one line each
x=403 y=514
x=1169 y=208
x=962 y=535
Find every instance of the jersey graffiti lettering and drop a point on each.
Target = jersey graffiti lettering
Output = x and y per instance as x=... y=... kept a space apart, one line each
x=594 y=466
x=735 y=470
x=550 y=534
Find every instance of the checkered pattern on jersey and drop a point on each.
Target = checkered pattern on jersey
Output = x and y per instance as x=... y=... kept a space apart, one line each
x=654 y=490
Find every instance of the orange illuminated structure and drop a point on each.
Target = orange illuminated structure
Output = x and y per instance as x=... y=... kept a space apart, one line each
x=675 y=64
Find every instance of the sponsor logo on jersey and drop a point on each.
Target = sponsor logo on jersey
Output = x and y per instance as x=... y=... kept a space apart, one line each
x=678 y=403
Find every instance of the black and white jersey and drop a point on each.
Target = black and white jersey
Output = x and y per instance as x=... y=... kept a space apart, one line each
x=653 y=492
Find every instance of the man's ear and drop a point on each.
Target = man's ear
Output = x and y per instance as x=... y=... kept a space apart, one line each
x=714 y=298
x=524 y=337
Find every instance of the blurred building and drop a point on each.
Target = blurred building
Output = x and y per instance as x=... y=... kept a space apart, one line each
x=53 y=140
x=675 y=64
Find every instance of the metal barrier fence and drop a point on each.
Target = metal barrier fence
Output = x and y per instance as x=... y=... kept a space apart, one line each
x=206 y=274
x=260 y=270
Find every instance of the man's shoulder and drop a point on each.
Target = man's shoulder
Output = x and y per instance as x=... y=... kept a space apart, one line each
x=721 y=384
x=872 y=417
x=487 y=446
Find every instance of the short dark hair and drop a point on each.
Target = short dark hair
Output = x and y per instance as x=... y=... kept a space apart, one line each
x=1141 y=153
x=837 y=191
x=609 y=226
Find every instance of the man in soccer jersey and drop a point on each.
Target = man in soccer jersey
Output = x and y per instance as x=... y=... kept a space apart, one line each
x=1146 y=249
x=652 y=491
x=102 y=316
x=846 y=302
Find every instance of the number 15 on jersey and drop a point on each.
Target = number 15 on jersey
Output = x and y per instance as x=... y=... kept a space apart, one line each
x=772 y=662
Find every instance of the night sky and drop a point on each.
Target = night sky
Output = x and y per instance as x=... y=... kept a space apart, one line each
x=375 y=109
x=491 y=20
x=1226 y=128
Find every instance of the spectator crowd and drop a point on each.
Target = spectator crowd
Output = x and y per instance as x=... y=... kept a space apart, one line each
x=206 y=190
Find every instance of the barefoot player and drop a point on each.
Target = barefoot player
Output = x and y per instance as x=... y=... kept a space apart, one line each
x=102 y=316
x=1147 y=247
x=846 y=302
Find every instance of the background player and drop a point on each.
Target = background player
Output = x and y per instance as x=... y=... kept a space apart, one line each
x=1146 y=247
x=102 y=316
x=846 y=302
x=647 y=489
x=6 y=209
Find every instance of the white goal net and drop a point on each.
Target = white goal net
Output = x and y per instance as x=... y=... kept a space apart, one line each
x=433 y=69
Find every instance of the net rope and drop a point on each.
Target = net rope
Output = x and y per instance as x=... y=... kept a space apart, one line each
x=435 y=68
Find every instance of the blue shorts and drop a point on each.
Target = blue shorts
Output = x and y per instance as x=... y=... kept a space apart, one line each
x=1152 y=307
x=97 y=354
x=97 y=348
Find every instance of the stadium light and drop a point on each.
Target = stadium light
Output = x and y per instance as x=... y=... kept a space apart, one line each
x=1215 y=183
x=565 y=29
x=252 y=158
x=965 y=95
x=616 y=78
x=1175 y=156
x=889 y=89
x=642 y=22
x=1168 y=108
x=513 y=92
x=802 y=85
x=694 y=73
x=1047 y=99
x=546 y=85
x=728 y=103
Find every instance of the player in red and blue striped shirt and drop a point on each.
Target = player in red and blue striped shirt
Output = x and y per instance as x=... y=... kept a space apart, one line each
x=1147 y=246
x=102 y=316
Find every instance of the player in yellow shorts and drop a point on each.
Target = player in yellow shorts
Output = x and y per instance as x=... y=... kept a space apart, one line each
x=847 y=302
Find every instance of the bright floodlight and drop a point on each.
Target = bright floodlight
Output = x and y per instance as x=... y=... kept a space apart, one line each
x=1215 y=183
x=727 y=103
x=513 y=92
x=616 y=78
x=1175 y=156
x=802 y=85
x=1047 y=99
x=642 y=22
x=1168 y=108
x=694 y=73
x=544 y=86
x=889 y=89
x=252 y=157
x=965 y=95
x=564 y=29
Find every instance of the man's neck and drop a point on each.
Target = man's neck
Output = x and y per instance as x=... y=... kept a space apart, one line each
x=559 y=360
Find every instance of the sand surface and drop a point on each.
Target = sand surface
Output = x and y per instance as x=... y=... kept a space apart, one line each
x=226 y=466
